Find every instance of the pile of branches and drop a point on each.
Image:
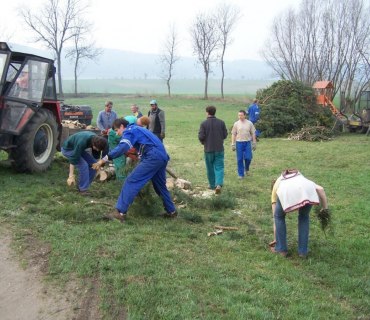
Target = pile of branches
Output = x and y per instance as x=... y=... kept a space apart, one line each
x=313 y=133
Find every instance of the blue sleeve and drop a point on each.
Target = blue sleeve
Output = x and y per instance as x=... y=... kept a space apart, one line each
x=123 y=146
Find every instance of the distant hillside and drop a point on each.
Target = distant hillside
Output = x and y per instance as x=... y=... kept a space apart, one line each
x=117 y=64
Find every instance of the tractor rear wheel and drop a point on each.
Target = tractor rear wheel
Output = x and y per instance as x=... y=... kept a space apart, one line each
x=36 y=145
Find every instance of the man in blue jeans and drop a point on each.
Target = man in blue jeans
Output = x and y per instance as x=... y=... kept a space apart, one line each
x=243 y=140
x=212 y=133
x=292 y=191
x=75 y=150
x=152 y=166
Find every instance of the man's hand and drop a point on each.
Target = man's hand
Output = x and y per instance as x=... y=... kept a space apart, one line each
x=97 y=165
x=71 y=181
x=233 y=148
x=254 y=146
x=162 y=135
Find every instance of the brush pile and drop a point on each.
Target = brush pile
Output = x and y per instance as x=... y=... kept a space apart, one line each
x=313 y=133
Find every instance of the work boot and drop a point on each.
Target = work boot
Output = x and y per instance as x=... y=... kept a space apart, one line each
x=85 y=193
x=218 y=190
x=121 y=217
x=170 y=214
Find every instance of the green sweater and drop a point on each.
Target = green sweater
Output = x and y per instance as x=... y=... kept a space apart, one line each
x=78 y=142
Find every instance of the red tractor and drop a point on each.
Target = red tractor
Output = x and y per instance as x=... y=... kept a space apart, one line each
x=30 y=115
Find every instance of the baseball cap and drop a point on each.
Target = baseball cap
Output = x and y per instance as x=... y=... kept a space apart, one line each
x=153 y=102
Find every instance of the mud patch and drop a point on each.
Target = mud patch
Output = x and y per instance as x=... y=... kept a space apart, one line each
x=24 y=293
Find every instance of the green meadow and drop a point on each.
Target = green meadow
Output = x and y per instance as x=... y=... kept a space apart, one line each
x=153 y=268
x=232 y=87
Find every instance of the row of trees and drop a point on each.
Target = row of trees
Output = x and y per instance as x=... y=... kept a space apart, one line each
x=58 y=23
x=323 y=40
x=211 y=35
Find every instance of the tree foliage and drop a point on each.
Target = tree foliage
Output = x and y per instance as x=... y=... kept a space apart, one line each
x=169 y=57
x=323 y=40
x=287 y=106
x=83 y=49
x=54 y=25
x=206 y=41
x=227 y=16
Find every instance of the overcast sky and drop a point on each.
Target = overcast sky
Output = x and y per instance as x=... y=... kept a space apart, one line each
x=142 y=25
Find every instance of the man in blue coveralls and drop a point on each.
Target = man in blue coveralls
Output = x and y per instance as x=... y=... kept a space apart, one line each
x=152 y=166
x=254 y=114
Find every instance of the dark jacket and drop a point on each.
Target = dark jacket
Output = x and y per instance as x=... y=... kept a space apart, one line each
x=212 y=133
x=157 y=121
x=78 y=142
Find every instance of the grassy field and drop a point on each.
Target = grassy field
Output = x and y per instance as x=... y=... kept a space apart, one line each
x=151 y=268
x=157 y=86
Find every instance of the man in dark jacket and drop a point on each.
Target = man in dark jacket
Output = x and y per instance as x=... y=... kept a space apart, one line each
x=74 y=149
x=212 y=133
x=157 y=123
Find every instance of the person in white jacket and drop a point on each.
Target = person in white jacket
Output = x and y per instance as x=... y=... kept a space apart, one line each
x=290 y=192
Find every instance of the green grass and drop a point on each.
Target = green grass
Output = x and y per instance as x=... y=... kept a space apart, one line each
x=157 y=86
x=169 y=269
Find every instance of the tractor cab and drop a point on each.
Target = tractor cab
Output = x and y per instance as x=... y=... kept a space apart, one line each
x=29 y=109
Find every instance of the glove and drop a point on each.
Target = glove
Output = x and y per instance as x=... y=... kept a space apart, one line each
x=132 y=153
x=97 y=165
x=233 y=148
x=254 y=146
x=71 y=181
x=162 y=135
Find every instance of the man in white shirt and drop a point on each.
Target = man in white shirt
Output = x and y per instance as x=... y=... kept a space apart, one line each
x=243 y=140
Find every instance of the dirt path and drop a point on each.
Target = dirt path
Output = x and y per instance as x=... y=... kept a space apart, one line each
x=25 y=296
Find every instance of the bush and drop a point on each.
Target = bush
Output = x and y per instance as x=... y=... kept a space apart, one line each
x=287 y=106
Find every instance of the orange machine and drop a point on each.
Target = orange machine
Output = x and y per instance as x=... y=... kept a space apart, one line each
x=324 y=91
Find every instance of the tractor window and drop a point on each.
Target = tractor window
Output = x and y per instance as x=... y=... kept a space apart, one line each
x=30 y=81
x=12 y=71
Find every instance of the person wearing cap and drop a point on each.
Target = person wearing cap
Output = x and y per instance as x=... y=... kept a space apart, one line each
x=106 y=117
x=152 y=166
x=291 y=191
x=254 y=113
x=157 y=123
x=135 y=111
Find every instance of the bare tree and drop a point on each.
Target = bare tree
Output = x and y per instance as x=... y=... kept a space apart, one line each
x=169 y=56
x=54 y=24
x=205 y=39
x=82 y=49
x=226 y=17
x=323 y=40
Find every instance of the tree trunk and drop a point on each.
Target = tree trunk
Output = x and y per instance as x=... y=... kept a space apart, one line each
x=206 y=87
x=59 y=62
x=168 y=87
x=222 y=78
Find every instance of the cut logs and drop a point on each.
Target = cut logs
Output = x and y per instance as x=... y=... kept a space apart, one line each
x=105 y=174
x=175 y=181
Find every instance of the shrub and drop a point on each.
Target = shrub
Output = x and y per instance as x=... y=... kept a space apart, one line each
x=287 y=106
